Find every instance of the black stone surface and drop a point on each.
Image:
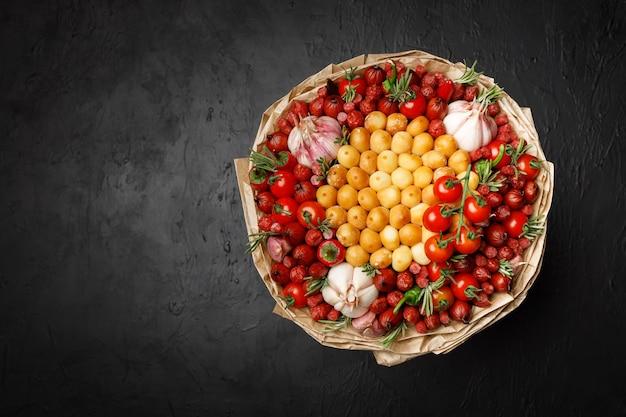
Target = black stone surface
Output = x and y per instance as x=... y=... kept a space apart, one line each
x=124 y=288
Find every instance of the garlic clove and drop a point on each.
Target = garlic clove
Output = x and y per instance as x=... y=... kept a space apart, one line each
x=459 y=106
x=367 y=295
x=340 y=277
x=469 y=135
x=360 y=279
x=493 y=127
x=375 y=330
x=364 y=321
x=485 y=136
x=354 y=311
x=333 y=297
x=368 y=325
x=453 y=121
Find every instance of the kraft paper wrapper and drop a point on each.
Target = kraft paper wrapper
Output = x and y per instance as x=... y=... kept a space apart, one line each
x=411 y=344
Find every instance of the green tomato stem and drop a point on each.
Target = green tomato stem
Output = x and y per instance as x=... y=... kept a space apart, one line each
x=462 y=204
x=278 y=208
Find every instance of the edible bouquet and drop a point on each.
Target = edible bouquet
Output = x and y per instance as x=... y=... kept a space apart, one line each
x=396 y=203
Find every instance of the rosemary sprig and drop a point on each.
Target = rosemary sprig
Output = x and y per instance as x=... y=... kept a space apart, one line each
x=333 y=326
x=315 y=284
x=490 y=96
x=533 y=227
x=258 y=239
x=369 y=270
x=325 y=166
x=264 y=160
x=506 y=268
x=470 y=76
x=394 y=334
x=486 y=175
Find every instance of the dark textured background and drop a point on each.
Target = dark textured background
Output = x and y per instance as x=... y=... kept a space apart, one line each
x=124 y=289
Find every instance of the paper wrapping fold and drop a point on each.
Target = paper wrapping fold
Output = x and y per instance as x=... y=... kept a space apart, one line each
x=412 y=344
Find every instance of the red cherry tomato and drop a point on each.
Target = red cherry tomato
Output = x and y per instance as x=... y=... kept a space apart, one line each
x=285 y=210
x=311 y=214
x=259 y=179
x=494 y=150
x=476 y=211
x=437 y=249
x=528 y=165
x=468 y=241
x=283 y=183
x=435 y=268
x=447 y=190
x=434 y=220
x=286 y=160
x=443 y=298
x=465 y=286
x=351 y=85
x=413 y=108
x=295 y=294
x=514 y=224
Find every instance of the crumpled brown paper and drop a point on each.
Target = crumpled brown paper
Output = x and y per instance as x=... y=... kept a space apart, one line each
x=411 y=344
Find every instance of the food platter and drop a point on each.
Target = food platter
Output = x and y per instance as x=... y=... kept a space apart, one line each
x=410 y=343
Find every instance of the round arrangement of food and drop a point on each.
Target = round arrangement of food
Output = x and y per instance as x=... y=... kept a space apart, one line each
x=396 y=203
